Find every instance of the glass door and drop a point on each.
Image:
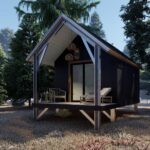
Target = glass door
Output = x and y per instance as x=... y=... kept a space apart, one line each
x=77 y=81
x=82 y=80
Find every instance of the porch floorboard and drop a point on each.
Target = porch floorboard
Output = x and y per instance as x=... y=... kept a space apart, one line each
x=76 y=106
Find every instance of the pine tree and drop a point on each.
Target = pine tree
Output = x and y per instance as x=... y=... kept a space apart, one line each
x=3 y=92
x=18 y=72
x=96 y=25
x=47 y=11
x=136 y=16
x=6 y=35
x=5 y=38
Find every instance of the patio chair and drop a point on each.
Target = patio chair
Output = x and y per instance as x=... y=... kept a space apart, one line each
x=104 y=96
x=53 y=94
x=59 y=94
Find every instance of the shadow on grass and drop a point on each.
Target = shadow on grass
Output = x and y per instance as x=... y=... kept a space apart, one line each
x=19 y=126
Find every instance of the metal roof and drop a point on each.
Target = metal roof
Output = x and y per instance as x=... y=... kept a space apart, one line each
x=62 y=33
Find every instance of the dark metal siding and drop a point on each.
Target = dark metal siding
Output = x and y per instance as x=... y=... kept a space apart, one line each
x=120 y=76
x=61 y=66
x=61 y=73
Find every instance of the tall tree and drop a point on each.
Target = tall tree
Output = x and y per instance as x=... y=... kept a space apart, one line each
x=126 y=51
x=3 y=92
x=96 y=25
x=5 y=38
x=136 y=15
x=79 y=9
x=46 y=11
x=18 y=72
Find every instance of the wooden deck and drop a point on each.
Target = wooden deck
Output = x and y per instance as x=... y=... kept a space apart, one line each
x=76 y=106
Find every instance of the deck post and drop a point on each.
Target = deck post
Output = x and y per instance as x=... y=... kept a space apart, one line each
x=35 y=93
x=135 y=107
x=113 y=114
x=97 y=86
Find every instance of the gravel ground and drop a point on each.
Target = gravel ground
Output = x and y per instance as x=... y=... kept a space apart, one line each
x=18 y=131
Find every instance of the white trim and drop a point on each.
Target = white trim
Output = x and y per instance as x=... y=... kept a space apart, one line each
x=59 y=27
x=72 y=25
x=85 y=33
x=41 y=54
x=91 y=39
x=88 y=49
x=79 y=33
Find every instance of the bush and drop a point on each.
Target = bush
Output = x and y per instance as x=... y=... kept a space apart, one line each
x=145 y=81
x=3 y=92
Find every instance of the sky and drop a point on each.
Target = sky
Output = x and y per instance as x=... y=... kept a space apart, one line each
x=108 y=11
x=8 y=16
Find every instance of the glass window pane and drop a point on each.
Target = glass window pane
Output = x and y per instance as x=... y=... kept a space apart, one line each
x=89 y=79
x=77 y=81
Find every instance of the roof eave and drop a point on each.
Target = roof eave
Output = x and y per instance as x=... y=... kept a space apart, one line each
x=82 y=32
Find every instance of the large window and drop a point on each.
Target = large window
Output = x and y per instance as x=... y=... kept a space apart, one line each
x=77 y=81
x=82 y=80
x=89 y=79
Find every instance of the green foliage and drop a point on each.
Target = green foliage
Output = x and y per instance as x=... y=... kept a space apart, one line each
x=5 y=39
x=79 y=9
x=136 y=16
x=3 y=92
x=126 y=51
x=96 y=25
x=46 y=11
x=45 y=78
x=18 y=72
x=145 y=81
x=145 y=75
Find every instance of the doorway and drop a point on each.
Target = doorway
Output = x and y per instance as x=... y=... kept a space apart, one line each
x=82 y=80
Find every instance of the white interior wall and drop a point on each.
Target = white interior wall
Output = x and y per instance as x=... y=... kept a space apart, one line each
x=57 y=44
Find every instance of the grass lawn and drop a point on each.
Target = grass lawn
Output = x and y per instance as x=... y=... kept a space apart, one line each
x=18 y=131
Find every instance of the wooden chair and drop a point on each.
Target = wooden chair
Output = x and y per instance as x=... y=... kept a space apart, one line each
x=104 y=96
x=52 y=94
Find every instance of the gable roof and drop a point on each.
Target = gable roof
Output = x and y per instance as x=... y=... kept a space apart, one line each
x=57 y=42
